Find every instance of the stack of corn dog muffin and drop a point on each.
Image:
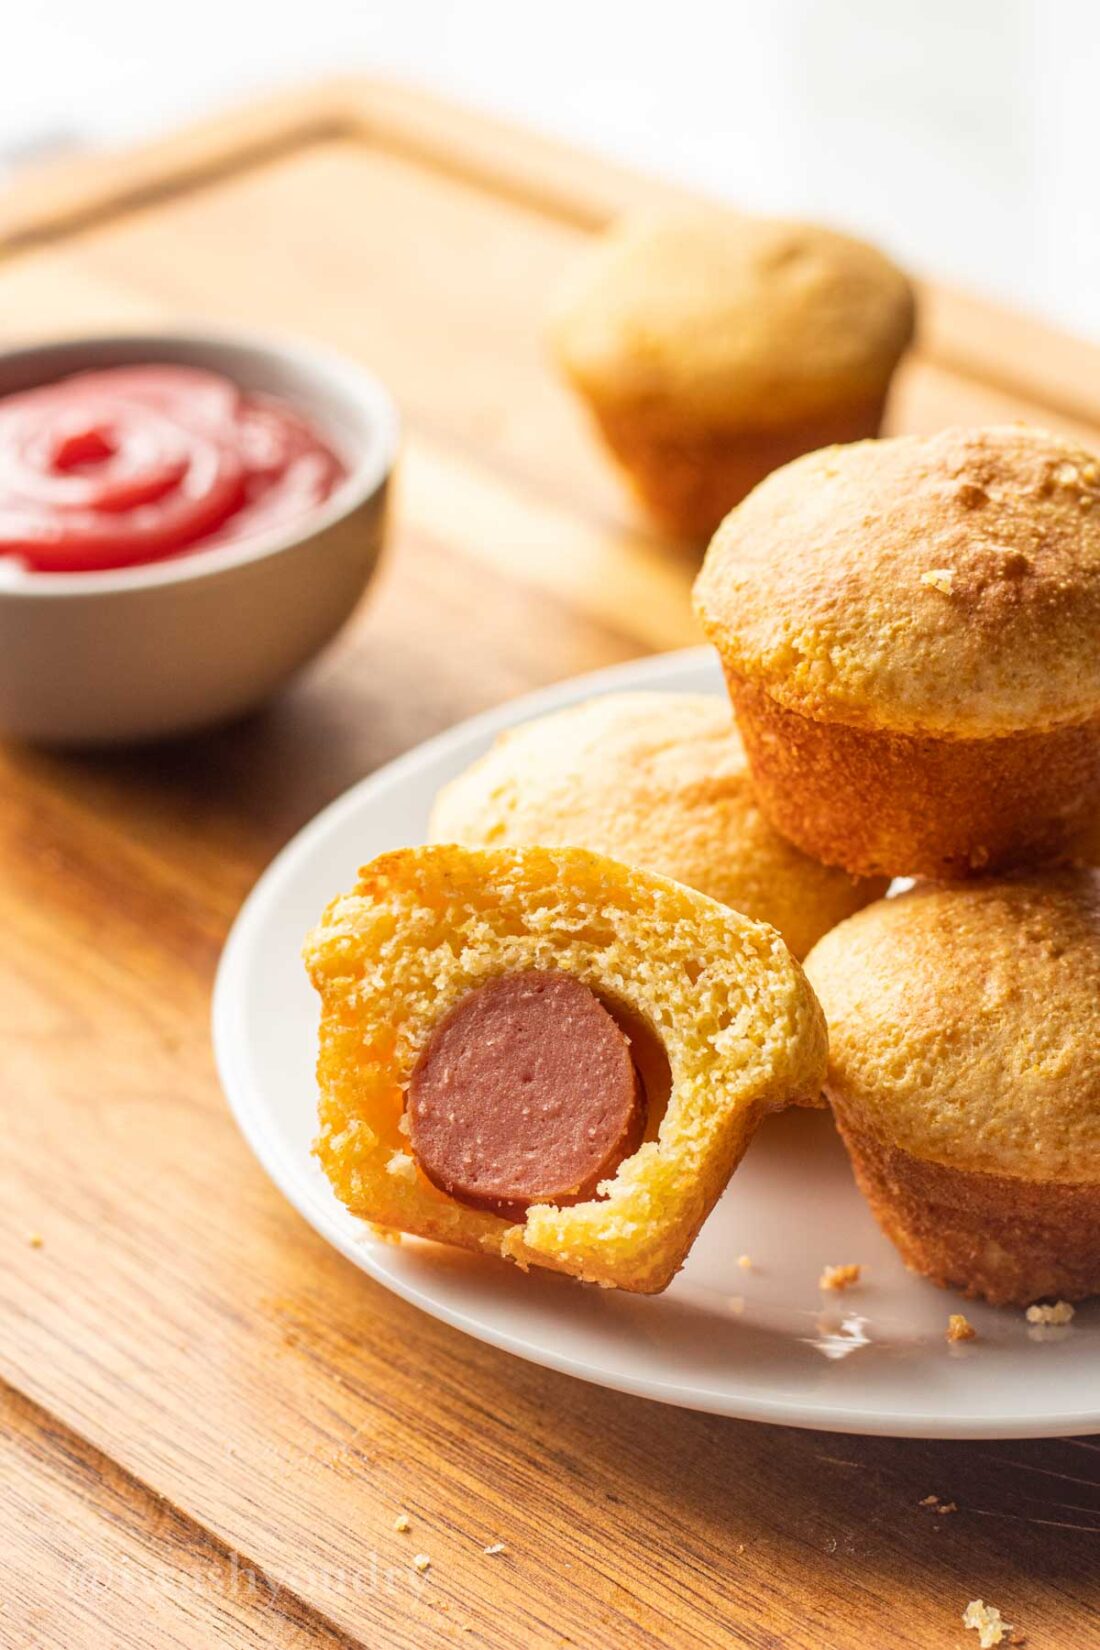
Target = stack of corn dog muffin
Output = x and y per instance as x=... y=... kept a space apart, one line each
x=551 y=1034
x=910 y=630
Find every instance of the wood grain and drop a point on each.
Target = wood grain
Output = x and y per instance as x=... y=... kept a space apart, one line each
x=200 y=1392
x=93 y=1558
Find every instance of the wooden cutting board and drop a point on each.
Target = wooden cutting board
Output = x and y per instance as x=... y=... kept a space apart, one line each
x=211 y=1421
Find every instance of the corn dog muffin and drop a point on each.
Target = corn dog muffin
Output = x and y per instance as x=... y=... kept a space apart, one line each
x=660 y=781
x=964 y=1073
x=712 y=347
x=546 y=1055
x=910 y=631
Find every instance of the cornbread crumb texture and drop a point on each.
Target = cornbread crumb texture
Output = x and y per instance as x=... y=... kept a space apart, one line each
x=717 y=319
x=941 y=584
x=658 y=780
x=959 y=1328
x=839 y=1277
x=964 y=1025
x=424 y=927
x=987 y=1622
x=1061 y=1312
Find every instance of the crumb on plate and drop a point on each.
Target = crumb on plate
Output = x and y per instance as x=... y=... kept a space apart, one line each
x=839 y=1277
x=1060 y=1312
x=960 y=1328
x=744 y=1262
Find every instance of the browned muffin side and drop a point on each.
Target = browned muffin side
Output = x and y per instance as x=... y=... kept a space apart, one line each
x=964 y=1073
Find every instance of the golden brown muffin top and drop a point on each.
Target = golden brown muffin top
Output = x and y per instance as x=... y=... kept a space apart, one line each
x=946 y=583
x=964 y=1023
x=732 y=320
x=660 y=781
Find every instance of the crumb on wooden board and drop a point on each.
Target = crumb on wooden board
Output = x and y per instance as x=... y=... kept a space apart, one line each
x=991 y=1627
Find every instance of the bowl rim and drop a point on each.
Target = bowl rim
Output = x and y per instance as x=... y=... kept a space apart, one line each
x=365 y=476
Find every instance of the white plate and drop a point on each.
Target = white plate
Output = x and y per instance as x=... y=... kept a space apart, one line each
x=760 y=1343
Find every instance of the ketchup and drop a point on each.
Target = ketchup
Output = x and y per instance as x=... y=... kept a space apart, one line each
x=132 y=464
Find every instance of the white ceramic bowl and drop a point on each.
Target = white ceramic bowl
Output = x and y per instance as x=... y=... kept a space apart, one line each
x=165 y=648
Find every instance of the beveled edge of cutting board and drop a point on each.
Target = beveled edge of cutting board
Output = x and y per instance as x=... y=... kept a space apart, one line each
x=969 y=335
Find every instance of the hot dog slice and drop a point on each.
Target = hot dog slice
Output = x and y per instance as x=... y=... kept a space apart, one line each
x=525 y=1093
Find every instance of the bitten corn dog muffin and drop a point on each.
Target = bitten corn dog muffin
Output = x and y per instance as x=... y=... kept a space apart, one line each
x=546 y=1055
x=711 y=347
x=660 y=781
x=910 y=631
x=964 y=1073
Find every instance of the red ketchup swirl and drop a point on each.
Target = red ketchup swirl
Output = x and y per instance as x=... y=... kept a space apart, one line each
x=132 y=464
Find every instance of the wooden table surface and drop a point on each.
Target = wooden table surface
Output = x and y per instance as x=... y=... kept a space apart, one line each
x=210 y=1420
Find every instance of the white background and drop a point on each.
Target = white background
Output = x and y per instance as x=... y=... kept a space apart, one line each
x=963 y=134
